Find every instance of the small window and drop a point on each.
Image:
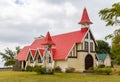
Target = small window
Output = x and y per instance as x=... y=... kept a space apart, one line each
x=39 y=59
x=50 y=59
x=81 y=46
x=86 y=36
x=31 y=60
x=91 y=46
x=86 y=46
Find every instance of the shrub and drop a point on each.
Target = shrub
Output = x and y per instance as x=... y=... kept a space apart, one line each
x=39 y=69
x=29 y=68
x=42 y=70
x=105 y=70
x=118 y=72
x=36 y=68
x=22 y=69
x=70 y=70
x=90 y=70
x=58 y=69
x=101 y=66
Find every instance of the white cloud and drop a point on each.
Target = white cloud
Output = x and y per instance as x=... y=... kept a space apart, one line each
x=21 y=22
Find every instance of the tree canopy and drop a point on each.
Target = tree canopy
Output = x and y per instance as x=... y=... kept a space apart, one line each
x=9 y=55
x=103 y=47
x=112 y=17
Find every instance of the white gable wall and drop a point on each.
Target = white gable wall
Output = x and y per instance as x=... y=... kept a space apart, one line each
x=107 y=61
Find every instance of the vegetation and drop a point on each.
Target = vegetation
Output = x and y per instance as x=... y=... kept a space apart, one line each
x=101 y=66
x=58 y=69
x=105 y=70
x=11 y=76
x=112 y=17
x=70 y=70
x=103 y=47
x=29 y=68
x=9 y=55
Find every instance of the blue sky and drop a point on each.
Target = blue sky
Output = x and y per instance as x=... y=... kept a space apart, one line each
x=23 y=20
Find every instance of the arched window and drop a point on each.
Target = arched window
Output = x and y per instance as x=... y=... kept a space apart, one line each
x=31 y=60
x=86 y=46
x=50 y=59
x=39 y=59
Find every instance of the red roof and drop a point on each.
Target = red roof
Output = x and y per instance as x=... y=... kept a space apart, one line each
x=33 y=52
x=23 y=54
x=41 y=51
x=85 y=18
x=62 y=48
x=48 y=40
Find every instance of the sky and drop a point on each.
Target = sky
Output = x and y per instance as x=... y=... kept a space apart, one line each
x=21 y=21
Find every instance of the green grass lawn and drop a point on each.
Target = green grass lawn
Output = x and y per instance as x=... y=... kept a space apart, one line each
x=11 y=76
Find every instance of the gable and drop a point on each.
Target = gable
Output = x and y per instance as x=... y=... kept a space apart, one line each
x=90 y=36
x=102 y=56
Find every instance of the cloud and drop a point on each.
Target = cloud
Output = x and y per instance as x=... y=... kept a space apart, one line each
x=21 y=23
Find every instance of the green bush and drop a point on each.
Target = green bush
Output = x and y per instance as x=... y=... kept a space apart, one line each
x=70 y=70
x=101 y=66
x=40 y=69
x=58 y=69
x=106 y=71
x=90 y=70
x=118 y=72
x=29 y=68
x=36 y=68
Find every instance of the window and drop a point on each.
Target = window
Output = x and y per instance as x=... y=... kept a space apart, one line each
x=50 y=59
x=39 y=59
x=73 y=53
x=31 y=60
x=86 y=36
x=91 y=46
x=86 y=46
x=81 y=46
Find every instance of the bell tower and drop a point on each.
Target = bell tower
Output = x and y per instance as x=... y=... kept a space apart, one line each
x=85 y=21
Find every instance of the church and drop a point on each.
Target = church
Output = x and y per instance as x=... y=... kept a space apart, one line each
x=74 y=49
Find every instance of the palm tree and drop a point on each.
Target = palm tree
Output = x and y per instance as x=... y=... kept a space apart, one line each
x=8 y=56
x=111 y=15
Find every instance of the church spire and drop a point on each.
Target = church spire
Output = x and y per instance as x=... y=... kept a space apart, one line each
x=48 y=40
x=85 y=21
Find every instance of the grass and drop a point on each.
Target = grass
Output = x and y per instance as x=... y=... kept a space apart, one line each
x=11 y=76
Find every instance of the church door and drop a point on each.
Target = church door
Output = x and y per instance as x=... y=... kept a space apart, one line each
x=88 y=62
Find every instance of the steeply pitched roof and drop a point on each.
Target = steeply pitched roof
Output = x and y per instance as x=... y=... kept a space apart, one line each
x=22 y=55
x=85 y=18
x=48 y=40
x=33 y=52
x=63 y=44
x=102 y=56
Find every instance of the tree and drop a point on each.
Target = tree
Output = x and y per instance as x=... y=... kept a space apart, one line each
x=8 y=56
x=115 y=49
x=103 y=47
x=112 y=17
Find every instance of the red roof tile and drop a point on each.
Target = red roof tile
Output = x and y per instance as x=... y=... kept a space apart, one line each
x=23 y=54
x=33 y=52
x=41 y=51
x=62 y=47
x=48 y=40
x=85 y=18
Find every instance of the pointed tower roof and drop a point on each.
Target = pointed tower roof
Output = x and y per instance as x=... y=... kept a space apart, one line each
x=48 y=40
x=85 y=18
